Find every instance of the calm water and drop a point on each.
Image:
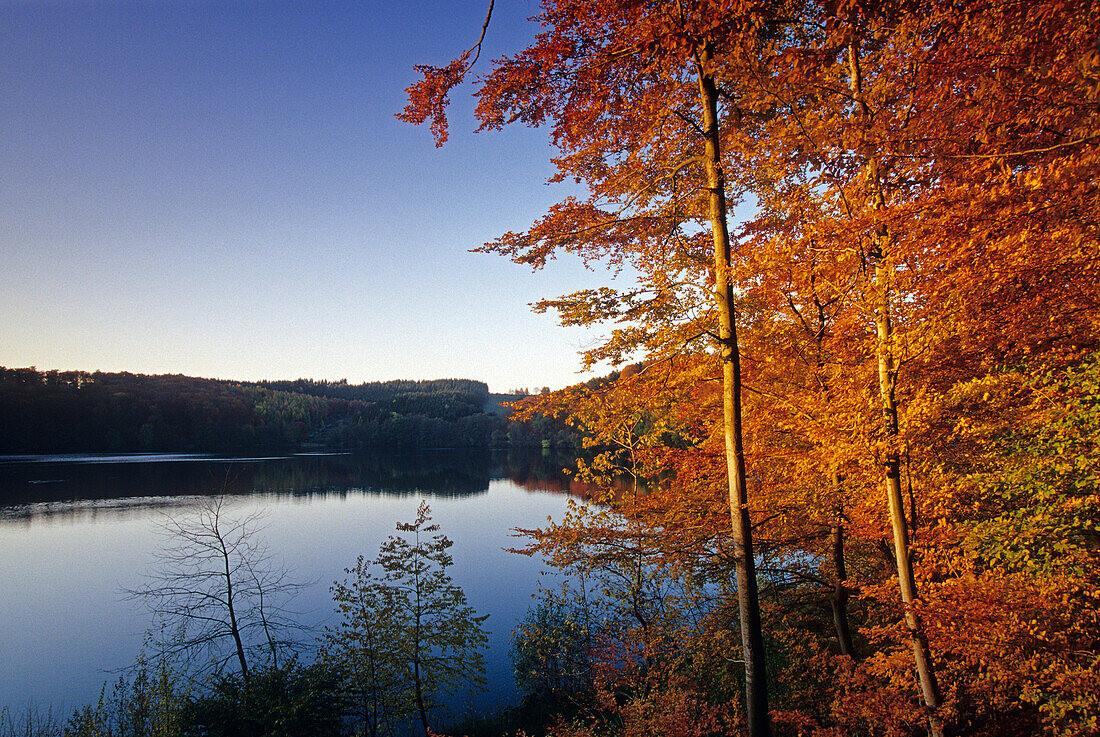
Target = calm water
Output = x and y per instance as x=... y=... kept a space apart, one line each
x=76 y=531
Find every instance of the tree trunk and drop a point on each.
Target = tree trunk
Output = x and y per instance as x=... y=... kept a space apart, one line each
x=234 y=628
x=418 y=687
x=756 y=686
x=921 y=654
x=418 y=645
x=839 y=599
x=887 y=378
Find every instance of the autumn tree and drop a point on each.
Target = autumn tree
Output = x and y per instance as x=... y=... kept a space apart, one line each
x=632 y=93
x=939 y=146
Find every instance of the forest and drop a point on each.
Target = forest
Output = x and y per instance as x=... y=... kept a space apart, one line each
x=862 y=428
x=79 y=411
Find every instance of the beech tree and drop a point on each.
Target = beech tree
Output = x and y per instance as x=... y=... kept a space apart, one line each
x=920 y=132
x=631 y=91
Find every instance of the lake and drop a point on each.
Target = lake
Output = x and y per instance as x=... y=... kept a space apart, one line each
x=76 y=531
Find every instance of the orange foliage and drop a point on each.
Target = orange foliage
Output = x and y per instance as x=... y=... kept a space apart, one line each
x=937 y=161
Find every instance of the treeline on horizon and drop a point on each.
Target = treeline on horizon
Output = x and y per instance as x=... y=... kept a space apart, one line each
x=80 y=411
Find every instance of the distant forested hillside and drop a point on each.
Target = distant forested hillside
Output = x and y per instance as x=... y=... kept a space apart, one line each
x=78 y=411
x=447 y=398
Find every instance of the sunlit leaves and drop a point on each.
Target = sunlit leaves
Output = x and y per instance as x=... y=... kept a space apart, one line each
x=935 y=163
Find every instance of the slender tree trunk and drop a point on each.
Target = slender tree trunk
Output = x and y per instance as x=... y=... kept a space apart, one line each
x=263 y=620
x=234 y=628
x=887 y=378
x=372 y=709
x=756 y=686
x=418 y=686
x=839 y=599
x=922 y=655
x=420 y=696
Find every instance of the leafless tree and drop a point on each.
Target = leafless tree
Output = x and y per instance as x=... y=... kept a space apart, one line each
x=217 y=592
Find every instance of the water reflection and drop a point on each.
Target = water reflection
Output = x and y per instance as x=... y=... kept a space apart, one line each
x=32 y=486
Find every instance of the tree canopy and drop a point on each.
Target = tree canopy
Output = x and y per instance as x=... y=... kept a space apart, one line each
x=867 y=367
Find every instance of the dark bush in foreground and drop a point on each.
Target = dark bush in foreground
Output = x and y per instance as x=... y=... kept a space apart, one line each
x=276 y=702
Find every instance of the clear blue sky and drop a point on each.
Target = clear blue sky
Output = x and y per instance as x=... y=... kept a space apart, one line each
x=221 y=189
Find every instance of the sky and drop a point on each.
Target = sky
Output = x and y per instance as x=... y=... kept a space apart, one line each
x=220 y=188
